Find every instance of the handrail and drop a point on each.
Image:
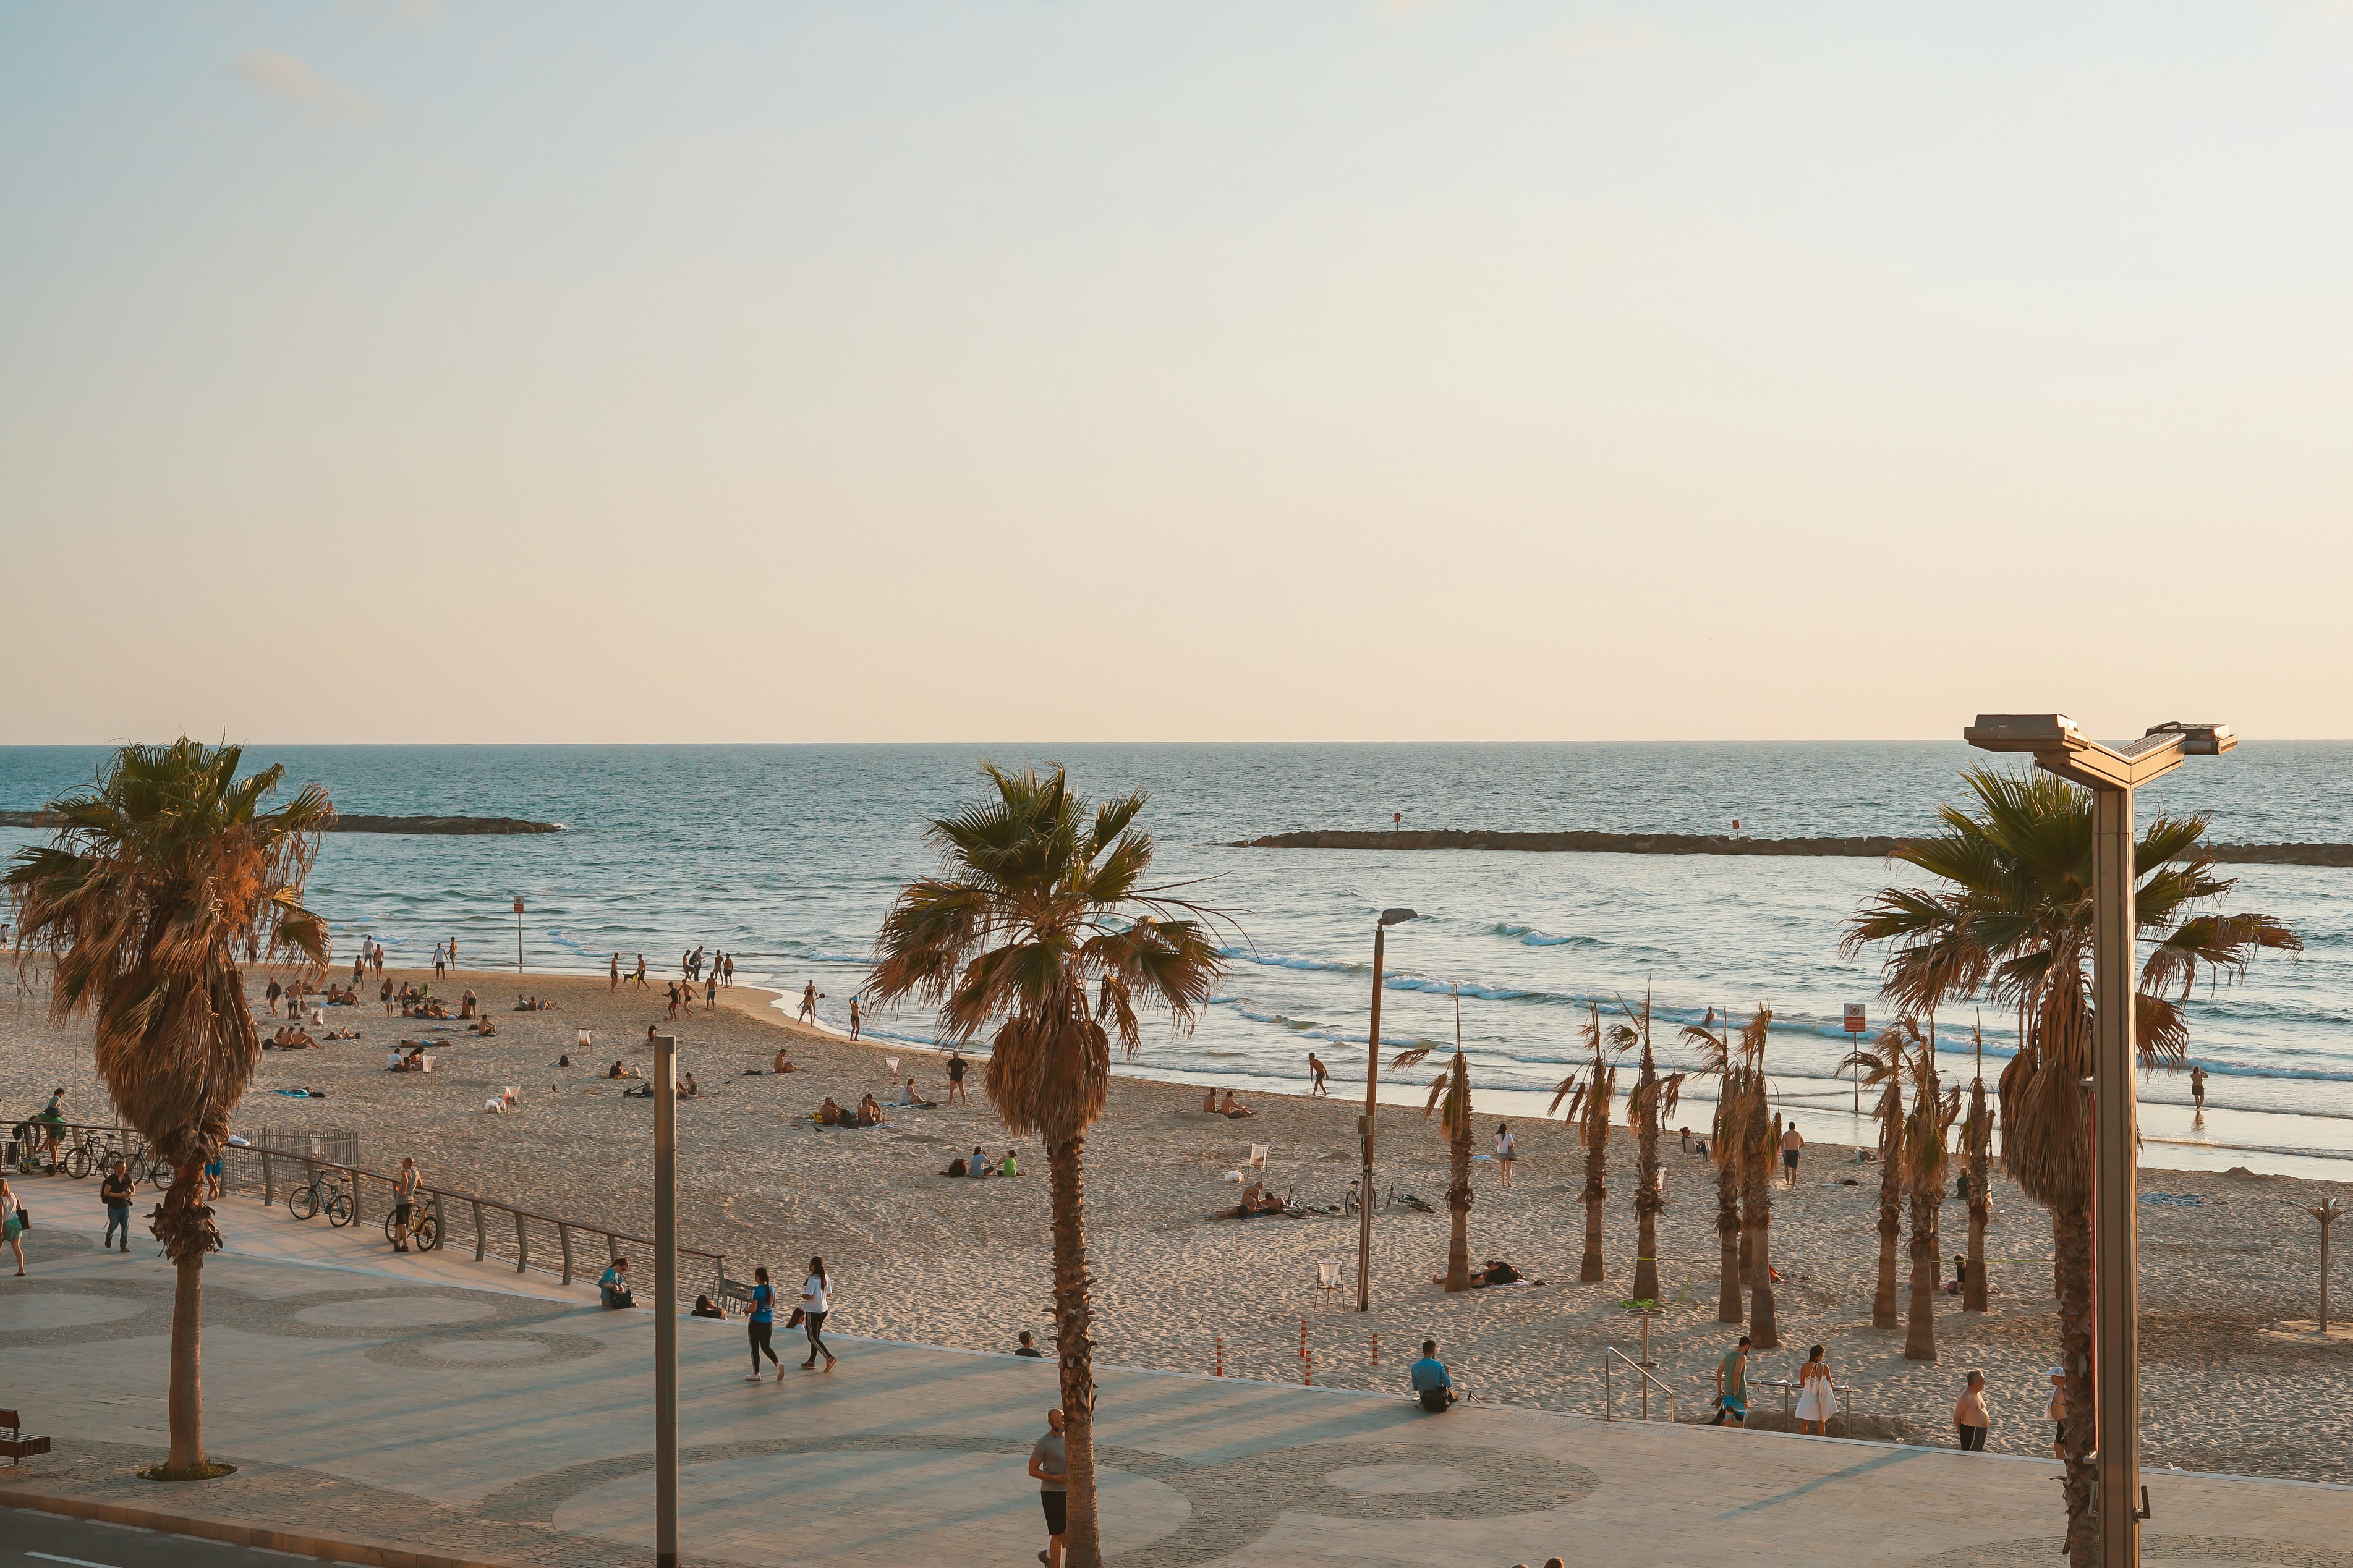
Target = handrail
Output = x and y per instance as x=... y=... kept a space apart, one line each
x=1789 y=1390
x=1609 y=1404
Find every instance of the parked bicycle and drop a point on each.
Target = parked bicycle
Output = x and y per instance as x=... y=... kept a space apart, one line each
x=320 y=1194
x=424 y=1228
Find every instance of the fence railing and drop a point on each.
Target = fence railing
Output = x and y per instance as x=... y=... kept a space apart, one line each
x=339 y=1144
x=1648 y=1383
x=497 y=1230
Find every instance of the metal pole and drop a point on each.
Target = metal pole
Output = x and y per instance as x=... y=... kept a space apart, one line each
x=2116 y=1231
x=1364 y=1128
x=666 y=1300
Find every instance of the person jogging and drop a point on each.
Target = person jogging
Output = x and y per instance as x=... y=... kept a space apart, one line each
x=763 y=1324
x=815 y=1301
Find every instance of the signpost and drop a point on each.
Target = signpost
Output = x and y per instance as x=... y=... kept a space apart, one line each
x=1855 y=1029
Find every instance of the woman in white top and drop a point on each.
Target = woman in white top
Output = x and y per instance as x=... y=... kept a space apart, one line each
x=1815 y=1400
x=1506 y=1151
x=12 y=1224
x=814 y=1306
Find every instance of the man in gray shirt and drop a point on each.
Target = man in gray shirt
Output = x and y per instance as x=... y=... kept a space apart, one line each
x=1050 y=1469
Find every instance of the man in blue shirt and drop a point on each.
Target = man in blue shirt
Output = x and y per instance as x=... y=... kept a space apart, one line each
x=1430 y=1383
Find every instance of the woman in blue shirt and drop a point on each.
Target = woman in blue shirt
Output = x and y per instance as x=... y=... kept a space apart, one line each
x=763 y=1324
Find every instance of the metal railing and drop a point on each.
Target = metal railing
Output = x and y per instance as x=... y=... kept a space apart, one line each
x=339 y=1144
x=510 y=1238
x=1790 y=1392
x=1608 y=1394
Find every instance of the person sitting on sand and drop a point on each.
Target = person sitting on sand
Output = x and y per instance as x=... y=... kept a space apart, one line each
x=1209 y=1102
x=1496 y=1272
x=615 y=1070
x=703 y=1308
x=688 y=1089
x=1256 y=1201
x=613 y=1288
x=1010 y=1167
x=870 y=1113
x=524 y=1005
x=780 y=1064
x=1233 y=1107
x=829 y=1114
x=1026 y=1348
x=484 y=1027
x=907 y=1097
x=957 y=1167
x=1431 y=1386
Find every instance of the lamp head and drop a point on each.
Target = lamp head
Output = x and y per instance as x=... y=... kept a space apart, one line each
x=1397 y=917
x=2022 y=733
x=2199 y=740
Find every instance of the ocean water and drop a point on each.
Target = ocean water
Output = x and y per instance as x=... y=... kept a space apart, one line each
x=788 y=855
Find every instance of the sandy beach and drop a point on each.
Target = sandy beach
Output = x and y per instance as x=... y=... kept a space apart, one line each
x=2230 y=1384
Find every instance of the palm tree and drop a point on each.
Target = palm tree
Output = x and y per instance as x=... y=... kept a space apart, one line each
x=1589 y=1113
x=1452 y=1086
x=1881 y=1065
x=1924 y=1155
x=2010 y=919
x=1977 y=1141
x=1040 y=925
x=1756 y=1180
x=156 y=876
x=1653 y=1100
x=1718 y=1060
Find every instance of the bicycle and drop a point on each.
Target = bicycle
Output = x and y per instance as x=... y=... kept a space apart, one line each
x=424 y=1228
x=320 y=1194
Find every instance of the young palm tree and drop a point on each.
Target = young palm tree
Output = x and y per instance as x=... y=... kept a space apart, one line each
x=2010 y=919
x=1719 y=1060
x=1039 y=926
x=155 y=879
x=1977 y=1141
x=1588 y=1111
x=1925 y=1163
x=1653 y=1101
x=1453 y=1090
x=1757 y=1159
x=1881 y=1065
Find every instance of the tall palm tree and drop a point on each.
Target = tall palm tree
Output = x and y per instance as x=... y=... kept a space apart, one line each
x=1652 y=1100
x=1589 y=1113
x=1976 y=1142
x=1719 y=1060
x=1925 y=1157
x=2010 y=919
x=1040 y=927
x=156 y=876
x=1880 y=1066
x=1761 y=1144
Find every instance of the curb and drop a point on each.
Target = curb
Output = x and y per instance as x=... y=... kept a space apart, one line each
x=368 y=1553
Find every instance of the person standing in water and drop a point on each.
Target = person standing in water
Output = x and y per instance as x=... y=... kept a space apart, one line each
x=808 y=1002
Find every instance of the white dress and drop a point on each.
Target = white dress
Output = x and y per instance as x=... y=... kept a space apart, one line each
x=1814 y=1400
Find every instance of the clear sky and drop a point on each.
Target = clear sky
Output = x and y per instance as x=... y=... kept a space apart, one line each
x=436 y=370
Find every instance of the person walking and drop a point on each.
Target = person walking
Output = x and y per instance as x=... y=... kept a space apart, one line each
x=856 y=1017
x=1815 y=1400
x=1318 y=1076
x=815 y=1301
x=1050 y=1466
x=808 y=1002
x=116 y=1195
x=711 y=993
x=640 y=975
x=2198 y=1091
x=955 y=1077
x=404 y=1201
x=1791 y=1146
x=672 y=1015
x=13 y=1221
x=1732 y=1387
x=271 y=993
x=616 y=973
x=440 y=961
x=1970 y=1416
x=2056 y=1412
x=763 y=1324
x=1506 y=1151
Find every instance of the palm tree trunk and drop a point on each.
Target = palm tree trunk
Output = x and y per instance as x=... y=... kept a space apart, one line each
x=1728 y=1232
x=1920 y=1334
x=1891 y=1217
x=1597 y=1157
x=1757 y=1221
x=1647 y=1201
x=186 y=1388
x=1083 y=1545
x=1457 y=1199
x=2071 y=1234
x=1973 y=1282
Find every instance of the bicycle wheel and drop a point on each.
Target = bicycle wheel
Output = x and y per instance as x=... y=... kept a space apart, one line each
x=338 y=1205
x=159 y=1173
x=76 y=1162
x=425 y=1233
x=302 y=1202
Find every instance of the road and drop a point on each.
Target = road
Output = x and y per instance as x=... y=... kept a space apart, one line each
x=35 y=1538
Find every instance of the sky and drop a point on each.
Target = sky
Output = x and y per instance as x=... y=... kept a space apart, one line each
x=444 y=370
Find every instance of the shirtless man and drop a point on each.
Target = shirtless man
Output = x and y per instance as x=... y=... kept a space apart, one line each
x=1318 y=1075
x=1790 y=1144
x=808 y=1002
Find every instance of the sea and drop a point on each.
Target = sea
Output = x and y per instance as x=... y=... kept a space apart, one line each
x=788 y=857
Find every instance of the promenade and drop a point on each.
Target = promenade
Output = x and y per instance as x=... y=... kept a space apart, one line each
x=458 y=1408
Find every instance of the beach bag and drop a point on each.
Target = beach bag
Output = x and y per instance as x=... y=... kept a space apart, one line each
x=1434 y=1400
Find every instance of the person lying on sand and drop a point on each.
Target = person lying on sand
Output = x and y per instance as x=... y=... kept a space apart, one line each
x=343 y=1034
x=1496 y=1273
x=1256 y=1201
x=1233 y=1107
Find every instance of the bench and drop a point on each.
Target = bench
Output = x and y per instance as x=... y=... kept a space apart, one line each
x=15 y=1445
x=733 y=1293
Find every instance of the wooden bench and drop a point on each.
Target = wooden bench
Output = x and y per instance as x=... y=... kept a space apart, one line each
x=734 y=1294
x=15 y=1445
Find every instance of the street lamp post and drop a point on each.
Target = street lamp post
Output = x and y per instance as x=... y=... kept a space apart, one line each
x=1365 y=1126
x=2112 y=775
x=666 y=1300
x=517 y=935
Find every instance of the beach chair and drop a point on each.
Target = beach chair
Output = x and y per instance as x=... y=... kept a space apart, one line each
x=1258 y=1157
x=15 y=1445
x=1328 y=1274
